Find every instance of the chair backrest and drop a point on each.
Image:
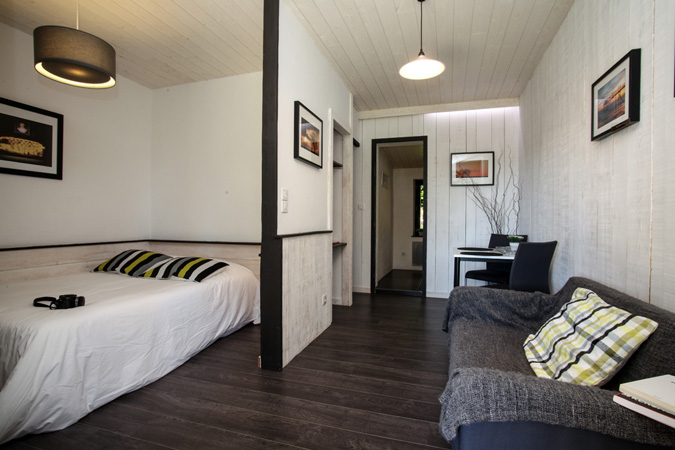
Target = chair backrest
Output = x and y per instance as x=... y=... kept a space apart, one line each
x=531 y=267
x=500 y=240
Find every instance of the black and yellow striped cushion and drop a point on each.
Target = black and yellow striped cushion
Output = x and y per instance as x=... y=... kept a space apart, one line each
x=188 y=268
x=134 y=263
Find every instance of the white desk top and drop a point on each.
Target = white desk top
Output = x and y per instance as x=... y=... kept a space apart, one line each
x=467 y=253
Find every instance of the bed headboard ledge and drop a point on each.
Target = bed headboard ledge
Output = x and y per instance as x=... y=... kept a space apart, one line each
x=43 y=262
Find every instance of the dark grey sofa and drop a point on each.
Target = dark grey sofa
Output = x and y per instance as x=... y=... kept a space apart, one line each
x=493 y=399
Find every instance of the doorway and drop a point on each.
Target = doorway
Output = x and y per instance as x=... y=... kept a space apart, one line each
x=398 y=242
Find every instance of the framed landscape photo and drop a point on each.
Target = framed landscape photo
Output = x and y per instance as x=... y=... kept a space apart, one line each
x=31 y=141
x=472 y=169
x=616 y=97
x=308 y=136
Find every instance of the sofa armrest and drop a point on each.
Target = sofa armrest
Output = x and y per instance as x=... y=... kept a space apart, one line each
x=485 y=395
x=523 y=310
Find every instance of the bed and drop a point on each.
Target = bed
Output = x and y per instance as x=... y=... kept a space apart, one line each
x=56 y=366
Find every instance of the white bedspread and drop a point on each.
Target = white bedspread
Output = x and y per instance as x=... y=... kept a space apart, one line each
x=56 y=366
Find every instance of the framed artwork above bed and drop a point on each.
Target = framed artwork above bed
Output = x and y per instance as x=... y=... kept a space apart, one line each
x=31 y=141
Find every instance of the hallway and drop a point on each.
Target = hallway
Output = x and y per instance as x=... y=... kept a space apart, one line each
x=405 y=282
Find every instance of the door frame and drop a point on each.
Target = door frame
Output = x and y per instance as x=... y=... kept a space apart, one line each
x=373 y=202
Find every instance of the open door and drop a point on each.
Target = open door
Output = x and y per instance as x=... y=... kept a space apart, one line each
x=399 y=245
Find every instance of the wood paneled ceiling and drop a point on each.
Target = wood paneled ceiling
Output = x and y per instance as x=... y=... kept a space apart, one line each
x=490 y=47
x=404 y=155
x=159 y=43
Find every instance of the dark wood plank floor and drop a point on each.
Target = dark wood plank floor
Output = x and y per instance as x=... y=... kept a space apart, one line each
x=371 y=381
x=402 y=280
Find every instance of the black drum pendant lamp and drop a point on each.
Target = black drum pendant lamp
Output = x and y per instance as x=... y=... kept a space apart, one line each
x=422 y=68
x=74 y=57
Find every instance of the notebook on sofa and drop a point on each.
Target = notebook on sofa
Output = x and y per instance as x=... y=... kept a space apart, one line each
x=658 y=392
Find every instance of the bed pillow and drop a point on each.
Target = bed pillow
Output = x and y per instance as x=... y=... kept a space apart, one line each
x=188 y=268
x=587 y=341
x=132 y=262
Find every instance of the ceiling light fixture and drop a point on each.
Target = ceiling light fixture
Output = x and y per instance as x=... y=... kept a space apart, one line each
x=422 y=68
x=74 y=57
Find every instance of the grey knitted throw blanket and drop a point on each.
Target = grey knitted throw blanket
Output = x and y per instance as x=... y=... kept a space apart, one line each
x=489 y=378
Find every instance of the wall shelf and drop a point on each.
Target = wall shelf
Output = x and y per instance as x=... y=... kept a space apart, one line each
x=342 y=218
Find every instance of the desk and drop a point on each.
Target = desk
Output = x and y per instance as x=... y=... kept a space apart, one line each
x=473 y=254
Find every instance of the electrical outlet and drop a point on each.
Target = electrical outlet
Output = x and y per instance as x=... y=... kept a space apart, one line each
x=324 y=299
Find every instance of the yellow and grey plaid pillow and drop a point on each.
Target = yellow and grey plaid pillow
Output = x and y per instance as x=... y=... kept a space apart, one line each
x=587 y=341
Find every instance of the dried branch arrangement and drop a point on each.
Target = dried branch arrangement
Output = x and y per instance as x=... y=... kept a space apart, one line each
x=501 y=205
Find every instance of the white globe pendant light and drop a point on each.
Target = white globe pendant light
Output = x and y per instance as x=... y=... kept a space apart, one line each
x=421 y=68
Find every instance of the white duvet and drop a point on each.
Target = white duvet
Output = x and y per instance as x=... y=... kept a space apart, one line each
x=56 y=366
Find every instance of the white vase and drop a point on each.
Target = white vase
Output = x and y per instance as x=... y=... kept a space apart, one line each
x=514 y=246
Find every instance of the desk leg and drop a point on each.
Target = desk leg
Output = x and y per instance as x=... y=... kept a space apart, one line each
x=457 y=271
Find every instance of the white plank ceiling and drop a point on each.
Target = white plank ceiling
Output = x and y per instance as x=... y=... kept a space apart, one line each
x=490 y=47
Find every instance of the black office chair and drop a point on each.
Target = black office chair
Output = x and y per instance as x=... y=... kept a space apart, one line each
x=494 y=272
x=531 y=267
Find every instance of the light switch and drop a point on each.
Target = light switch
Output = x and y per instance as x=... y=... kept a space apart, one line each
x=284 y=206
x=284 y=194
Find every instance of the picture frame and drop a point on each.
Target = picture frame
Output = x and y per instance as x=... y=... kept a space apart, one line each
x=308 y=146
x=615 y=97
x=31 y=141
x=472 y=169
x=384 y=180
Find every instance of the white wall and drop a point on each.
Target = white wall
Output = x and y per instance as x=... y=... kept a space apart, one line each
x=607 y=202
x=385 y=218
x=305 y=75
x=452 y=219
x=207 y=159
x=404 y=216
x=179 y=163
x=105 y=194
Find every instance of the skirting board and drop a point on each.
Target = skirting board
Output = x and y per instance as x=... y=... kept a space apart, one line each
x=361 y=290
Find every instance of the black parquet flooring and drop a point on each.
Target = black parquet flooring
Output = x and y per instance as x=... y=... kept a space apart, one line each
x=370 y=381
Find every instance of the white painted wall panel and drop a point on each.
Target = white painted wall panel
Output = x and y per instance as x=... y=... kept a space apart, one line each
x=607 y=202
x=404 y=217
x=206 y=160
x=105 y=194
x=177 y=163
x=663 y=187
x=385 y=218
x=323 y=92
x=307 y=260
x=307 y=265
x=452 y=218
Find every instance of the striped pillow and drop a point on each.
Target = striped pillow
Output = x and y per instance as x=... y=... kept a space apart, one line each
x=587 y=341
x=132 y=262
x=188 y=268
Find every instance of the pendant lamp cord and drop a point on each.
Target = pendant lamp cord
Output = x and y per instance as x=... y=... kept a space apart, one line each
x=421 y=25
x=77 y=15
